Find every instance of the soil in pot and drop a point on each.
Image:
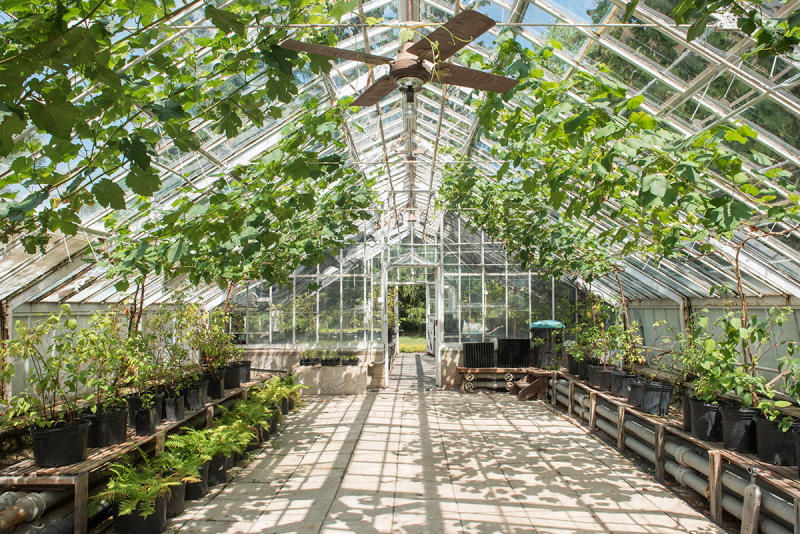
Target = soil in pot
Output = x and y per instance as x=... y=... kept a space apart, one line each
x=284 y=406
x=233 y=376
x=216 y=388
x=176 y=500
x=62 y=444
x=198 y=490
x=655 y=398
x=620 y=383
x=772 y=445
x=107 y=427
x=218 y=470
x=174 y=408
x=739 y=428
x=134 y=523
x=145 y=421
x=706 y=420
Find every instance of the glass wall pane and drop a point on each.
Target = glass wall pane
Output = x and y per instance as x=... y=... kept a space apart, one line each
x=565 y=301
x=495 y=306
x=518 y=306
x=305 y=311
x=281 y=314
x=329 y=298
x=541 y=299
x=352 y=309
x=471 y=309
x=258 y=314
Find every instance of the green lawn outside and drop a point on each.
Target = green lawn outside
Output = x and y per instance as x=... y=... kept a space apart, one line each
x=412 y=343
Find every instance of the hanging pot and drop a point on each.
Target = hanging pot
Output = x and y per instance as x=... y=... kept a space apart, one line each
x=107 y=427
x=62 y=444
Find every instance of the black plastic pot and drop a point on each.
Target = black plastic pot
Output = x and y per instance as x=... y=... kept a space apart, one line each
x=273 y=424
x=606 y=378
x=244 y=370
x=233 y=375
x=145 y=421
x=635 y=392
x=158 y=403
x=572 y=365
x=655 y=399
x=706 y=420
x=686 y=406
x=739 y=428
x=351 y=360
x=198 y=490
x=772 y=445
x=107 y=427
x=331 y=362
x=595 y=377
x=134 y=404
x=203 y=385
x=284 y=406
x=291 y=405
x=174 y=408
x=191 y=398
x=309 y=361
x=583 y=368
x=796 y=438
x=621 y=383
x=176 y=500
x=218 y=470
x=134 y=523
x=62 y=444
x=216 y=388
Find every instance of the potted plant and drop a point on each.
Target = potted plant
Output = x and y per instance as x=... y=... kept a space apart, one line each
x=101 y=347
x=331 y=358
x=207 y=336
x=142 y=367
x=139 y=496
x=293 y=390
x=310 y=357
x=192 y=448
x=50 y=407
x=224 y=441
x=185 y=468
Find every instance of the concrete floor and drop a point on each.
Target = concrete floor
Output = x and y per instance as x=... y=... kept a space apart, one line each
x=416 y=459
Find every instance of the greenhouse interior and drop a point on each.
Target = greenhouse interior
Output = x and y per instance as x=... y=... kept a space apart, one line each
x=400 y=266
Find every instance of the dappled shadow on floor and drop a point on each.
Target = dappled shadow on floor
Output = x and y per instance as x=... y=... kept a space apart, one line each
x=413 y=458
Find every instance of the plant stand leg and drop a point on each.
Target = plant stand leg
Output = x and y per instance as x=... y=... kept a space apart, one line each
x=660 y=453
x=81 y=517
x=621 y=427
x=592 y=409
x=715 y=484
x=571 y=401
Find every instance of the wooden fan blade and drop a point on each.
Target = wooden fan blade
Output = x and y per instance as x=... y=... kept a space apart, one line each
x=375 y=92
x=476 y=79
x=338 y=53
x=453 y=36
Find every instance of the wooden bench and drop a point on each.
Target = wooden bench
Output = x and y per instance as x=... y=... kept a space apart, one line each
x=27 y=474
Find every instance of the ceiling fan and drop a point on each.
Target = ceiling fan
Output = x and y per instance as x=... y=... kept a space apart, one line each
x=413 y=67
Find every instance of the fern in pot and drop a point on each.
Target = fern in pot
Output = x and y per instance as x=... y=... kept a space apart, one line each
x=50 y=405
x=193 y=449
x=138 y=495
x=185 y=468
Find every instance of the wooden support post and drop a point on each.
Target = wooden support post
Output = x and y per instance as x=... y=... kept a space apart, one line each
x=81 y=517
x=621 y=427
x=751 y=509
x=592 y=409
x=796 y=515
x=715 y=484
x=659 y=452
x=555 y=385
x=209 y=417
x=571 y=403
x=159 y=443
x=244 y=394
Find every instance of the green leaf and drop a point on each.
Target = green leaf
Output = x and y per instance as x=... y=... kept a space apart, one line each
x=709 y=345
x=226 y=21
x=343 y=7
x=175 y=251
x=168 y=110
x=56 y=118
x=143 y=181
x=122 y=285
x=136 y=151
x=697 y=28
x=11 y=125
x=634 y=102
x=109 y=194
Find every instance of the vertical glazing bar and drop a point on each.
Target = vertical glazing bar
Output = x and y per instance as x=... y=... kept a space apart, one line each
x=294 y=308
x=553 y=297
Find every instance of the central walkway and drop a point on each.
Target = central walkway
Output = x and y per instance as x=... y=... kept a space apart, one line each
x=416 y=459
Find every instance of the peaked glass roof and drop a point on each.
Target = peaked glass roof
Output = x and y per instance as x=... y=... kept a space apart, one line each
x=690 y=85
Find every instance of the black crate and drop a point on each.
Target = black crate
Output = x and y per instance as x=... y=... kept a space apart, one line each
x=513 y=352
x=478 y=354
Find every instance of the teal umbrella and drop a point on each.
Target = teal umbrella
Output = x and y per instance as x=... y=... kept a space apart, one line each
x=549 y=324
